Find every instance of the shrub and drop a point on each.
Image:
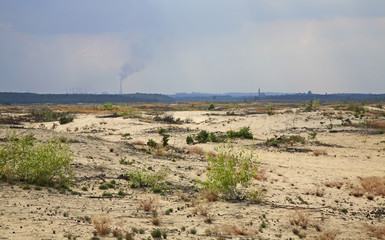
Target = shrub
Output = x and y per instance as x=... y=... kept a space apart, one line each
x=102 y=224
x=144 y=178
x=242 y=133
x=211 y=107
x=151 y=143
x=157 y=233
x=66 y=119
x=163 y=133
x=189 y=140
x=108 y=106
x=276 y=141
x=38 y=163
x=202 y=136
x=228 y=169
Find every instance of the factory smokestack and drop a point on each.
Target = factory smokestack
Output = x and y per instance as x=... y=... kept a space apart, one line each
x=127 y=70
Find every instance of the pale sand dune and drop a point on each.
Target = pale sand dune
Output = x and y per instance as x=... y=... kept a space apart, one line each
x=293 y=178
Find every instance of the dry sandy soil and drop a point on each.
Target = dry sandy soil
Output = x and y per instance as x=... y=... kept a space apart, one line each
x=313 y=181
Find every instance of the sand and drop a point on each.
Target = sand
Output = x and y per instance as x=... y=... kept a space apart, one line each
x=295 y=179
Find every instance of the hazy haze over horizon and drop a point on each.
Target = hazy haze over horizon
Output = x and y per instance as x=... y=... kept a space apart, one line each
x=166 y=46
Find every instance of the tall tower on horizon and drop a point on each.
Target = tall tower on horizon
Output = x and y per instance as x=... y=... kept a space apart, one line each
x=121 y=90
x=259 y=92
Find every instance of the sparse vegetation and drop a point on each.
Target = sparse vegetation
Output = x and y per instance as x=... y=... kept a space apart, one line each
x=229 y=169
x=41 y=163
x=144 y=178
x=242 y=133
x=102 y=224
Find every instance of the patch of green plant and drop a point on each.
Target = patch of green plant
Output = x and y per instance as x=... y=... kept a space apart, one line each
x=131 y=113
x=167 y=119
x=270 y=110
x=202 y=136
x=228 y=170
x=47 y=115
x=279 y=140
x=157 y=233
x=256 y=196
x=108 y=106
x=107 y=185
x=189 y=140
x=141 y=178
x=151 y=143
x=242 y=133
x=66 y=119
x=311 y=135
x=211 y=107
x=193 y=231
x=312 y=105
x=107 y=194
x=124 y=161
x=41 y=163
x=165 y=136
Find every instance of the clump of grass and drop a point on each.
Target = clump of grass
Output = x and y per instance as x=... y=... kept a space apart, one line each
x=102 y=224
x=196 y=151
x=319 y=152
x=372 y=185
x=336 y=184
x=234 y=230
x=140 y=178
x=149 y=204
x=375 y=231
x=299 y=218
x=44 y=163
x=107 y=185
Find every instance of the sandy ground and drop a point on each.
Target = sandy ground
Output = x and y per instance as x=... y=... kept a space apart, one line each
x=295 y=179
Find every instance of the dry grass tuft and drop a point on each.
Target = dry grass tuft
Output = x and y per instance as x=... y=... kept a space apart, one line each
x=149 y=204
x=234 y=230
x=210 y=196
x=376 y=231
x=261 y=175
x=319 y=153
x=102 y=224
x=372 y=185
x=376 y=124
x=328 y=235
x=196 y=151
x=334 y=184
x=201 y=210
x=300 y=218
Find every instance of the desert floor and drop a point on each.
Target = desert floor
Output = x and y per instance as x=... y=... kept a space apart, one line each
x=312 y=184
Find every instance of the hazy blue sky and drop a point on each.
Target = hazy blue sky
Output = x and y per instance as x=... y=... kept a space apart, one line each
x=168 y=46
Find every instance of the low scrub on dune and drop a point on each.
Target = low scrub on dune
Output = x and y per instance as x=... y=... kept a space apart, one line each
x=42 y=163
x=229 y=169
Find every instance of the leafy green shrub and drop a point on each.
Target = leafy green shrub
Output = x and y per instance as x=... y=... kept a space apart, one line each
x=47 y=115
x=26 y=160
x=212 y=138
x=144 y=178
x=202 y=136
x=107 y=185
x=108 y=106
x=242 y=133
x=229 y=169
x=131 y=113
x=165 y=136
x=270 y=110
x=157 y=233
x=312 y=105
x=66 y=119
x=151 y=143
x=211 y=107
x=189 y=140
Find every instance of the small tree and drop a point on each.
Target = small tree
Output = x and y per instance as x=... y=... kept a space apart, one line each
x=230 y=169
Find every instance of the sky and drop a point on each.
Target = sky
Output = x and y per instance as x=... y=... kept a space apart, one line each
x=212 y=46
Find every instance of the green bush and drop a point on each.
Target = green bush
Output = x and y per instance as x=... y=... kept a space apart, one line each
x=26 y=160
x=242 y=133
x=47 y=115
x=276 y=141
x=151 y=143
x=157 y=233
x=144 y=178
x=202 y=136
x=108 y=106
x=229 y=169
x=165 y=136
x=189 y=140
x=66 y=119
x=211 y=107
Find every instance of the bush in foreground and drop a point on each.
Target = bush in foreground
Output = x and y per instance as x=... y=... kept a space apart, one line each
x=47 y=163
x=228 y=170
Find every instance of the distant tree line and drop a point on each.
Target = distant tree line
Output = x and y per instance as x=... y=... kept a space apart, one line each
x=33 y=98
